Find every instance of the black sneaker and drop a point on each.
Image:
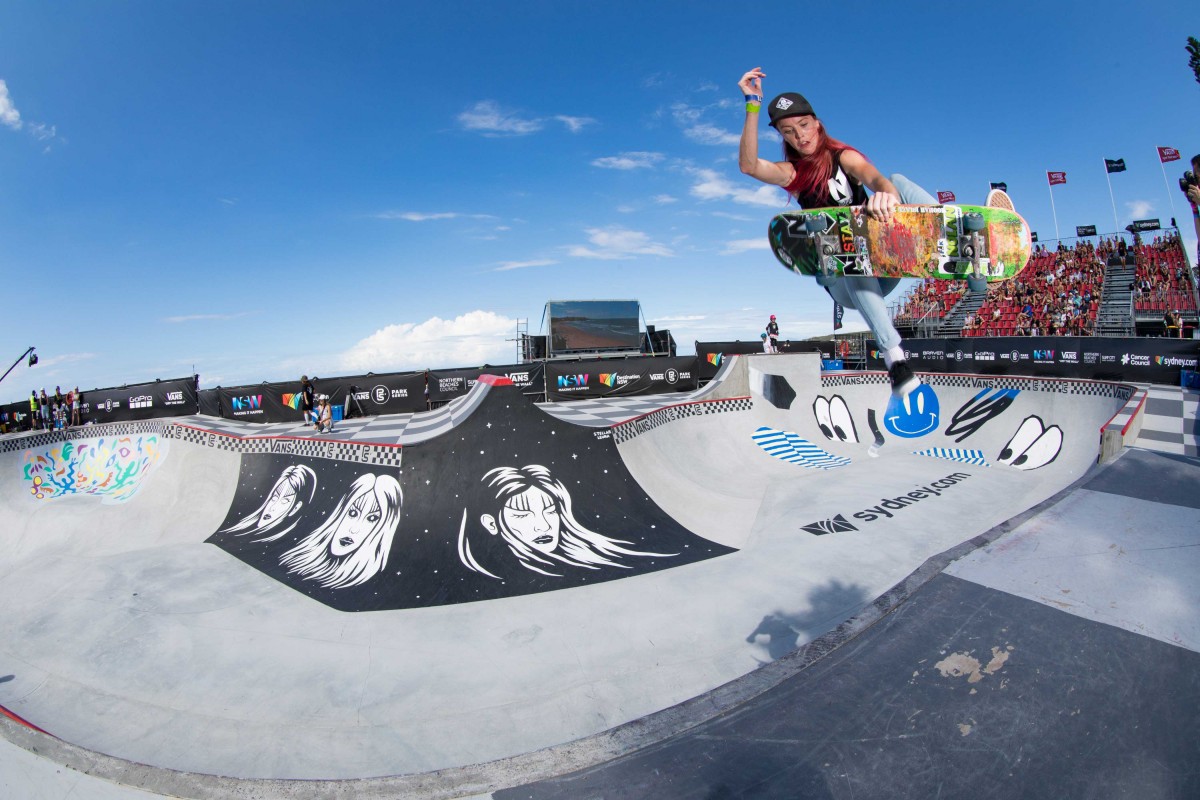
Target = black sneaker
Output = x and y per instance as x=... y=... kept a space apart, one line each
x=903 y=379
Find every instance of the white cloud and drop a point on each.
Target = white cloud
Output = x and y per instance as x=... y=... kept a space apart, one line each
x=665 y=199
x=421 y=216
x=1140 y=209
x=9 y=116
x=711 y=185
x=743 y=245
x=477 y=337
x=634 y=160
x=205 y=317
x=575 y=124
x=509 y=265
x=616 y=242
x=488 y=118
x=691 y=121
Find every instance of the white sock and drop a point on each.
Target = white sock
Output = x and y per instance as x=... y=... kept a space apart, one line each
x=892 y=355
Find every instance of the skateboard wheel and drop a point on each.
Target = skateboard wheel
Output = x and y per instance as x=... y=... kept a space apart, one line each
x=813 y=225
x=974 y=222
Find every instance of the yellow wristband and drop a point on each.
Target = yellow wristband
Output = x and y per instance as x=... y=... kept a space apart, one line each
x=754 y=107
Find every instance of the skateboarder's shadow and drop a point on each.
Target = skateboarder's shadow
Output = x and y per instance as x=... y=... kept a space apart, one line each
x=780 y=633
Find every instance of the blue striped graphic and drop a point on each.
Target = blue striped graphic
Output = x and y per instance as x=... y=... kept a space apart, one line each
x=975 y=457
x=789 y=447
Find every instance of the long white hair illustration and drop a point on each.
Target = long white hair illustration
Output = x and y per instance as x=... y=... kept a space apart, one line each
x=279 y=513
x=352 y=546
x=531 y=511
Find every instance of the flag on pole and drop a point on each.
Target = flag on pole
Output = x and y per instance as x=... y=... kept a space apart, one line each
x=1056 y=178
x=1166 y=154
x=1112 y=165
x=945 y=197
x=1001 y=186
x=838 y=311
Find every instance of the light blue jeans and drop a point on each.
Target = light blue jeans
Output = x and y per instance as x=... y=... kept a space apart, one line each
x=865 y=295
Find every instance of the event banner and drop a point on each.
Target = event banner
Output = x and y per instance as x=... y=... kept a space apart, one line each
x=393 y=393
x=619 y=377
x=447 y=384
x=170 y=398
x=1085 y=230
x=210 y=402
x=1143 y=360
x=1146 y=225
x=710 y=355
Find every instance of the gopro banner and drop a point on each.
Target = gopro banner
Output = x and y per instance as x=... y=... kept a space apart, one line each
x=447 y=384
x=1085 y=230
x=170 y=398
x=577 y=380
x=1142 y=360
x=1145 y=225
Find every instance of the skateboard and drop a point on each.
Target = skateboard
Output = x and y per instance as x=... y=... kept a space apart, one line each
x=948 y=242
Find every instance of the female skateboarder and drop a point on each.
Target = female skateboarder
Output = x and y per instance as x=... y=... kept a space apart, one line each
x=820 y=171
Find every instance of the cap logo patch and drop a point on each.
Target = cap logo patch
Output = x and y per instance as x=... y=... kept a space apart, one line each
x=784 y=104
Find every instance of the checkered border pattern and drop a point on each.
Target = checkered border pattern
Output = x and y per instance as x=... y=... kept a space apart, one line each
x=25 y=442
x=386 y=455
x=1084 y=388
x=630 y=429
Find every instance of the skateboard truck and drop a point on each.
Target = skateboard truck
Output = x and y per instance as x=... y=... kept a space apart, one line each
x=814 y=229
x=974 y=247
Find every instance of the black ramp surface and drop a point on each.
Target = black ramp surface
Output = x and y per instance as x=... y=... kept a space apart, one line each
x=962 y=692
x=510 y=502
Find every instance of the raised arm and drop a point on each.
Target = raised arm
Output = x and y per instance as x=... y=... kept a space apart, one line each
x=881 y=204
x=772 y=172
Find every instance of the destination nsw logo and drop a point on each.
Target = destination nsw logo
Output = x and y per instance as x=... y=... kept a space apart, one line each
x=887 y=507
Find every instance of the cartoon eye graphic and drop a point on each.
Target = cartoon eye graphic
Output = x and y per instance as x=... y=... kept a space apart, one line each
x=1033 y=445
x=833 y=417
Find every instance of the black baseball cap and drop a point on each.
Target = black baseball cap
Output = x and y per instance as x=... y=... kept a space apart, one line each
x=789 y=104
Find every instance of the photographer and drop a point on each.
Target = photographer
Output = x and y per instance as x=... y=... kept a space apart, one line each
x=1191 y=187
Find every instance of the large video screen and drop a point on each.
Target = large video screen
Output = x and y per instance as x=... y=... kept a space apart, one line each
x=589 y=325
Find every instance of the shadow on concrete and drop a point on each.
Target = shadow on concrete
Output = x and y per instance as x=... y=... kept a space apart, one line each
x=831 y=605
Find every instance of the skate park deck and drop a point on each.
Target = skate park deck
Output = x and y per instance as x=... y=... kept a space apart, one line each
x=166 y=659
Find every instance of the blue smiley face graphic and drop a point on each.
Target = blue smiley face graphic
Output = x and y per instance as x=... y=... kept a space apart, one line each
x=915 y=415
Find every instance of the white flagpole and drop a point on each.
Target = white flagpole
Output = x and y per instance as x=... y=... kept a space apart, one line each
x=1108 y=177
x=1170 y=197
x=1052 y=211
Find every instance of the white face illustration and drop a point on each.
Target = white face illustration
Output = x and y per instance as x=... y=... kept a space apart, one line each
x=355 y=526
x=279 y=504
x=537 y=527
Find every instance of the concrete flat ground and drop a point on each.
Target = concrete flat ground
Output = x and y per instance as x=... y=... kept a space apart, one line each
x=820 y=531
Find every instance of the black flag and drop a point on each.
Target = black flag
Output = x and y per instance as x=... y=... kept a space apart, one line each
x=838 y=311
x=1114 y=165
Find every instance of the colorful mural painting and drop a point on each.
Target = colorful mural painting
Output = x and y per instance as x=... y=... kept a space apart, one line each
x=113 y=468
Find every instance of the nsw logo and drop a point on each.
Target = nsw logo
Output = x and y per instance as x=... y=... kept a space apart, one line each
x=1043 y=355
x=250 y=402
x=573 y=381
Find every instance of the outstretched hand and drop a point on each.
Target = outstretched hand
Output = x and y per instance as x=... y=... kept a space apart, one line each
x=751 y=82
x=881 y=205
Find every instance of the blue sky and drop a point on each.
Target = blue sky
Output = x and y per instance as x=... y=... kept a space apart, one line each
x=255 y=190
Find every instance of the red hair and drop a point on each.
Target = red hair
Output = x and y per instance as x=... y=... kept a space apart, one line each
x=813 y=172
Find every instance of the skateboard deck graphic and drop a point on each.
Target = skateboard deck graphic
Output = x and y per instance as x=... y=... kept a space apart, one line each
x=921 y=241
